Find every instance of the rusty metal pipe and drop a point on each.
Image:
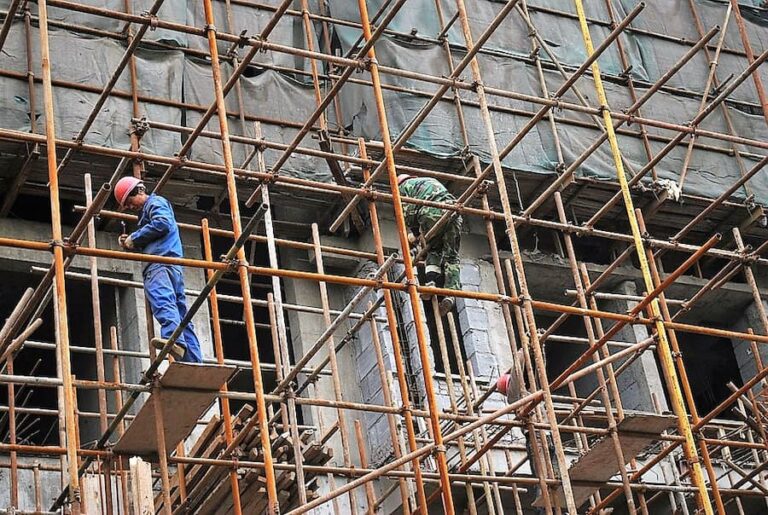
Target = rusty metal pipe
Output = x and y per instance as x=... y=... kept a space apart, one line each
x=127 y=56
x=736 y=82
x=333 y=326
x=414 y=123
x=330 y=95
x=720 y=199
x=9 y=15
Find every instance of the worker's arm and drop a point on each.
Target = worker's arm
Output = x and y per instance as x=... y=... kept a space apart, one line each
x=161 y=220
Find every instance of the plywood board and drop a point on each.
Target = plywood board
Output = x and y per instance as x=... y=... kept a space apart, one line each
x=141 y=487
x=636 y=432
x=187 y=392
x=91 y=494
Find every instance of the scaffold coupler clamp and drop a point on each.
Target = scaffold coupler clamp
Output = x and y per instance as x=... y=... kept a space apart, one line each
x=484 y=187
x=234 y=264
x=748 y=258
x=153 y=20
x=290 y=390
x=243 y=39
x=366 y=63
x=52 y=244
x=154 y=380
x=371 y=194
x=139 y=127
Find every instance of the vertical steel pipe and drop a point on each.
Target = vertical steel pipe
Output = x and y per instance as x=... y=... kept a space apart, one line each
x=62 y=328
x=410 y=274
x=663 y=348
x=258 y=382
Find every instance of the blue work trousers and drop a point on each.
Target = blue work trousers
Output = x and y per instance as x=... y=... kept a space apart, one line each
x=164 y=286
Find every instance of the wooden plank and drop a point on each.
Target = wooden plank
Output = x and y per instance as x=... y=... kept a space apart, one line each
x=208 y=482
x=188 y=390
x=91 y=494
x=205 y=437
x=141 y=487
x=217 y=497
x=636 y=432
x=208 y=445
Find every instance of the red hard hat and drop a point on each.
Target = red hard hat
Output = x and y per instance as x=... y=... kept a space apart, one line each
x=124 y=187
x=403 y=177
x=501 y=384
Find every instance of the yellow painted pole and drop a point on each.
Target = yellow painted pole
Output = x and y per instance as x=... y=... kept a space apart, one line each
x=665 y=355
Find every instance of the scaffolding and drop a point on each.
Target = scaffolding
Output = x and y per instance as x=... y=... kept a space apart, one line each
x=265 y=457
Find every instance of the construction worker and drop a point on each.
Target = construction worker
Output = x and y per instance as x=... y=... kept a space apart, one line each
x=158 y=235
x=442 y=259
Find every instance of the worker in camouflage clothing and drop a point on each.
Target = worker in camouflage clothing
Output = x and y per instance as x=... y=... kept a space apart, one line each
x=443 y=254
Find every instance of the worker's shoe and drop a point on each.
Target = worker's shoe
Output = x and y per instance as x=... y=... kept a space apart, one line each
x=428 y=296
x=177 y=350
x=446 y=305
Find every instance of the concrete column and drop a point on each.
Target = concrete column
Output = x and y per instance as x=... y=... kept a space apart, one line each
x=194 y=279
x=642 y=378
x=376 y=425
x=481 y=324
x=305 y=329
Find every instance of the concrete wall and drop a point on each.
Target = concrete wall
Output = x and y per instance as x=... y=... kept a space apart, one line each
x=750 y=319
x=642 y=378
x=50 y=483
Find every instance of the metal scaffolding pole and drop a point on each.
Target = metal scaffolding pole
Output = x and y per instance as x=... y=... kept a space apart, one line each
x=464 y=442
x=662 y=347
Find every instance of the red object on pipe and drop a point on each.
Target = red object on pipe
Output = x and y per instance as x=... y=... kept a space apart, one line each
x=501 y=384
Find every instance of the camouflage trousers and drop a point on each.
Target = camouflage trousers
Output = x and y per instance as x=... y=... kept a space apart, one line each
x=443 y=255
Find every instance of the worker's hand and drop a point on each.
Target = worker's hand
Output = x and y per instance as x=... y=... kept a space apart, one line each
x=411 y=238
x=125 y=241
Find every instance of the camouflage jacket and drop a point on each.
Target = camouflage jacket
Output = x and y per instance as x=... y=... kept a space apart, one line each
x=423 y=188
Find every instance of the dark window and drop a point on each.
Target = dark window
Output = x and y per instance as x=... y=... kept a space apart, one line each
x=710 y=364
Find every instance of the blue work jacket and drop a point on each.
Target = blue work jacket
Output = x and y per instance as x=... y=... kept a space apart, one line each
x=158 y=233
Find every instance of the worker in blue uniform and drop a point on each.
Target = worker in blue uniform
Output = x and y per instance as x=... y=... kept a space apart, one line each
x=158 y=234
